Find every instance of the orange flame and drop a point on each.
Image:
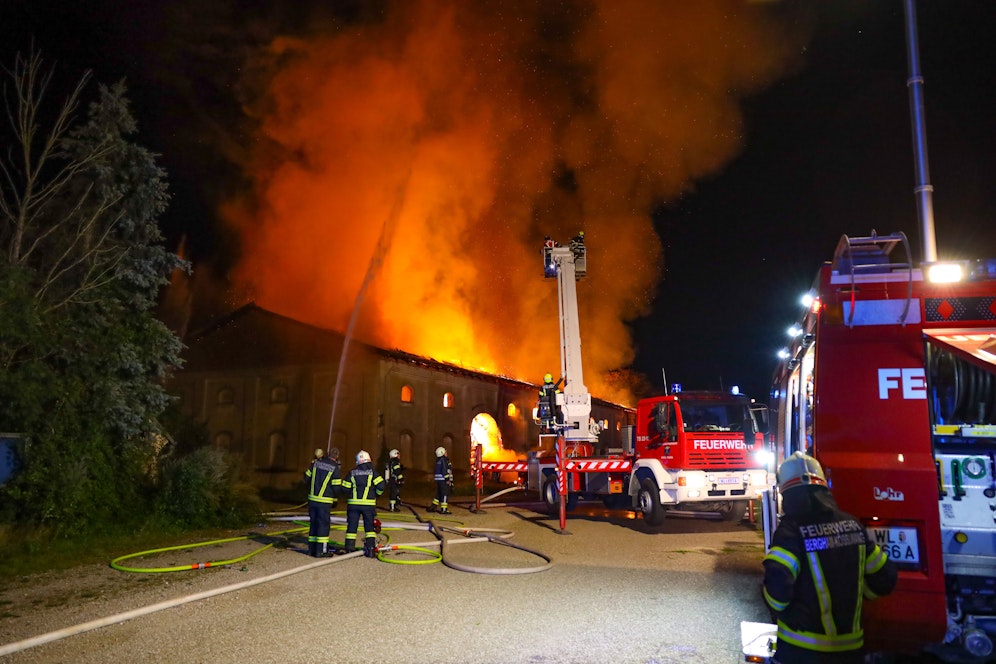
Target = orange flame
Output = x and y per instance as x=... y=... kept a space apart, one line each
x=435 y=148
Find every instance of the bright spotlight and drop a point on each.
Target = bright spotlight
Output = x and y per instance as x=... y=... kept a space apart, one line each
x=945 y=273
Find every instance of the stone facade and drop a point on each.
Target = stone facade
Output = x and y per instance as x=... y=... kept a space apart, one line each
x=264 y=386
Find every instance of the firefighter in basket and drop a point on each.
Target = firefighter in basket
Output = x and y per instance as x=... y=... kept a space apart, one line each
x=547 y=405
x=821 y=564
x=444 y=482
x=362 y=486
x=394 y=473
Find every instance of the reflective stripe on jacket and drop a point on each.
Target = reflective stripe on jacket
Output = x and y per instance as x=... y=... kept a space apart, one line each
x=817 y=571
x=324 y=481
x=444 y=471
x=363 y=485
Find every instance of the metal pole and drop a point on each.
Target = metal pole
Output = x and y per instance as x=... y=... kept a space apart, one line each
x=562 y=480
x=478 y=475
x=924 y=190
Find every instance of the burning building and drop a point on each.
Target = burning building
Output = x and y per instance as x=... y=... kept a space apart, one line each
x=273 y=389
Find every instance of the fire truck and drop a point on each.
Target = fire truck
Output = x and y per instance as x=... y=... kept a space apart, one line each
x=689 y=451
x=890 y=382
x=694 y=451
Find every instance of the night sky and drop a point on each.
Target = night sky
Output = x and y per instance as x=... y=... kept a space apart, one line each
x=825 y=149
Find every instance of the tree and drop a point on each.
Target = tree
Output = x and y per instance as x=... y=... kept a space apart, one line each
x=82 y=356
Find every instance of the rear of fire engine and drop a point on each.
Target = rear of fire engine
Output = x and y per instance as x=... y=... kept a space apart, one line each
x=891 y=383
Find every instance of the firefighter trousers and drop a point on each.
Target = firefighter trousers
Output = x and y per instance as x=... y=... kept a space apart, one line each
x=353 y=514
x=318 y=527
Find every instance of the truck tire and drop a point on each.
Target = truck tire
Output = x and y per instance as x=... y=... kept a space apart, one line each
x=551 y=497
x=733 y=511
x=650 y=503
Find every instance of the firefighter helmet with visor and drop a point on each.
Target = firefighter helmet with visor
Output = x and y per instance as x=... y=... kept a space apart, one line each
x=362 y=457
x=800 y=470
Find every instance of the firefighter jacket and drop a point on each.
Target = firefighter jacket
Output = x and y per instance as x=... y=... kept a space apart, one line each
x=362 y=485
x=821 y=564
x=324 y=480
x=395 y=471
x=444 y=470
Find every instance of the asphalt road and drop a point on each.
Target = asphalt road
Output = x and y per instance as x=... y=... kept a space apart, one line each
x=616 y=592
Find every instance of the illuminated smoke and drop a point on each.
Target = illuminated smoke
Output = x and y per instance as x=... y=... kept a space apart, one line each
x=509 y=121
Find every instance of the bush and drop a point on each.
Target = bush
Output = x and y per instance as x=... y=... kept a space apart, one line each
x=205 y=488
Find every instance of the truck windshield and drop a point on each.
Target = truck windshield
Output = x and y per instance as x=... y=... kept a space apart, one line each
x=714 y=415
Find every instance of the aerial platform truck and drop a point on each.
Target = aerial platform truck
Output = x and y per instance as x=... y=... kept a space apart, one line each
x=691 y=451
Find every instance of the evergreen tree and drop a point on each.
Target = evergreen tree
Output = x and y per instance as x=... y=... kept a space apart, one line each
x=82 y=355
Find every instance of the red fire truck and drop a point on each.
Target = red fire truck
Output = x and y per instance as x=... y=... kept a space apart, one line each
x=690 y=451
x=890 y=381
x=697 y=451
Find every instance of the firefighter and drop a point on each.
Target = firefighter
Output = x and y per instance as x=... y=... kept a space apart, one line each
x=394 y=473
x=324 y=484
x=362 y=486
x=820 y=565
x=444 y=482
x=548 y=402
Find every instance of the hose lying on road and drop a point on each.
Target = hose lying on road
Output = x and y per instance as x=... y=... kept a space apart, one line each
x=435 y=526
x=168 y=604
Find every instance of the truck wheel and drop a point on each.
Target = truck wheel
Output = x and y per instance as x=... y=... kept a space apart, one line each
x=650 y=503
x=733 y=511
x=551 y=497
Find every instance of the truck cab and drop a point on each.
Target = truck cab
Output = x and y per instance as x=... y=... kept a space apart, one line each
x=698 y=451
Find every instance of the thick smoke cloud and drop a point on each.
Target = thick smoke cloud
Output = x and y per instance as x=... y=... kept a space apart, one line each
x=459 y=134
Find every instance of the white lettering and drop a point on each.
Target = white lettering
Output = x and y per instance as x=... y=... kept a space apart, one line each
x=699 y=444
x=910 y=380
x=887 y=380
x=889 y=494
x=914 y=384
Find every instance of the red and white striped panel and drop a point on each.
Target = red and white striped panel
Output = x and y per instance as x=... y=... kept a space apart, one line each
x=504 y=466
x=591 y=465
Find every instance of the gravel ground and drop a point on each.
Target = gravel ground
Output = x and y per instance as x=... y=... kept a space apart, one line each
x=616 y=592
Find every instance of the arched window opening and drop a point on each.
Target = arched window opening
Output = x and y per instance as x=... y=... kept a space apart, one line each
x=226 y=396
x=407 y=394
x=448 y=400
x=279 y=394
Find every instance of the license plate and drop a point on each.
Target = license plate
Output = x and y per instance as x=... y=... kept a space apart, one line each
x=728 y=480
x=900 y=544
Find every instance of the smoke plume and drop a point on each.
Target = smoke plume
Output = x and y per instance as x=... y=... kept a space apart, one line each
x=486 y=126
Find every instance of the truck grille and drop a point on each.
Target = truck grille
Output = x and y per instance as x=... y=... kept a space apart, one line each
x=726 y=459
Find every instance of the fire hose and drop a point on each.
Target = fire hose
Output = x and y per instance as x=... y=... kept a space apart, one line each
x=434 y=526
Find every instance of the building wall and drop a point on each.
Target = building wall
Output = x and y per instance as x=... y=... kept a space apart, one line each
x=264 y=386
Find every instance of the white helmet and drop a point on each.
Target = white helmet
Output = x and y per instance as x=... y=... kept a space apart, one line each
x=440 y=451
x=800 y=470
x=362 y=457
x=319 y=453
x=394 y=454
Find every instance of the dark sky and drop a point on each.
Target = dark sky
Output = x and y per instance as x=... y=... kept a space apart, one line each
x=827 y=151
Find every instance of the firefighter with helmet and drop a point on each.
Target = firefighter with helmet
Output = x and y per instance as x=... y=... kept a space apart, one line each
x=324 y=484
x=821 y=564
x=362 y=486
x=548 y=402
x=444 y=482
x=394 y=473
